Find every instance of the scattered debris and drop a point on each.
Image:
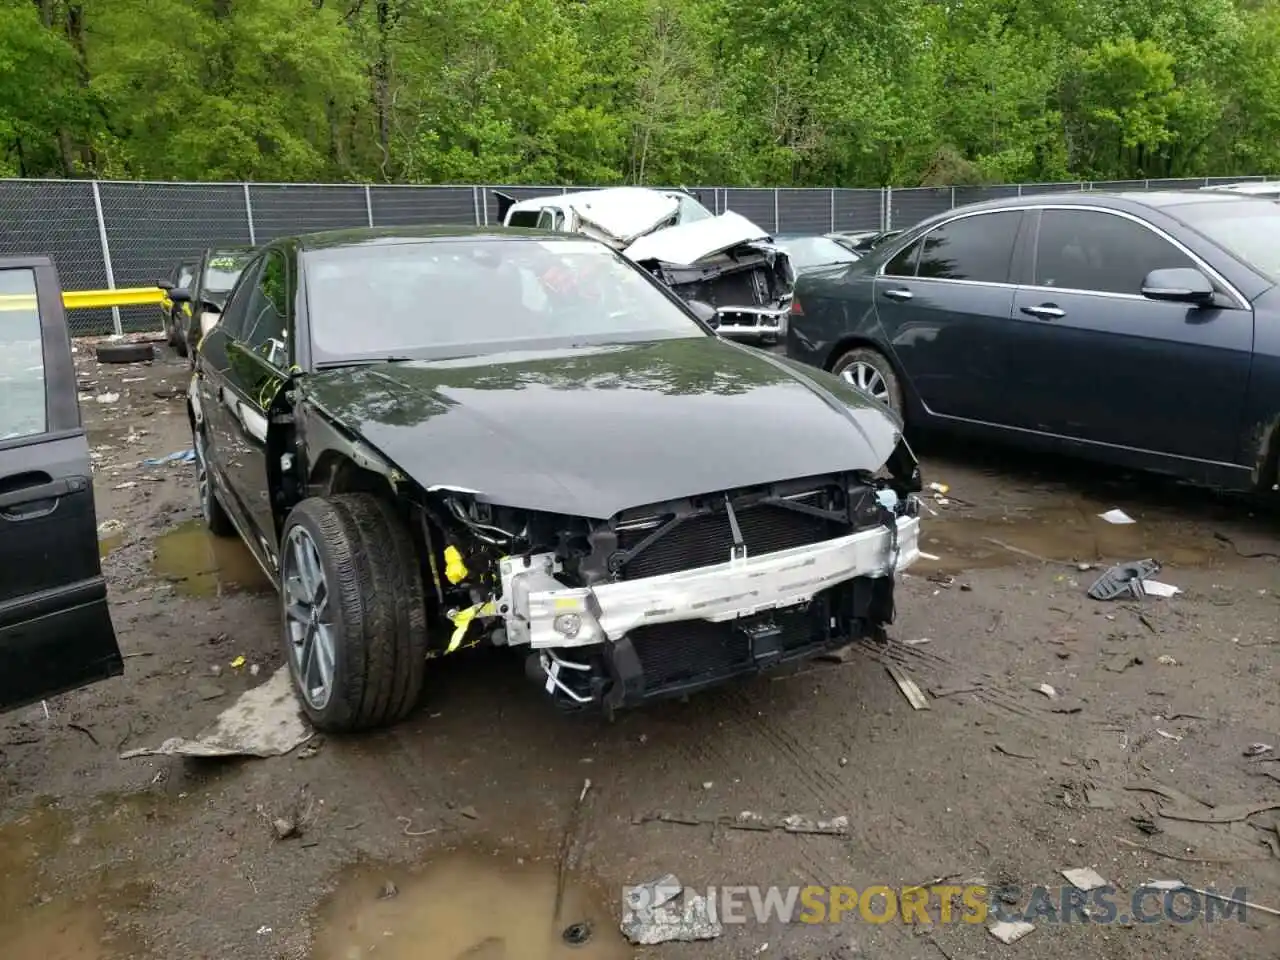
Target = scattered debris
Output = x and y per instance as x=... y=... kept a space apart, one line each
x=945 y=690
x=127 y=485
x=909 y=689
x=1120 y=662
x=1084 y=878
x=1257 y=749
x=389 y=890
x=916 y=643
x=408 y=831
x=1180 y=857
x=1251 y=555
x=209 y=691
x=1116 y=515
x=1166 y=661
x=107 y=397
x=1145 y=825
x=929 y=556
x=1124 y=579
x=264 y=722
x=468 y=812
x=1010 y=932
x=1001 y=748
x=237 y=663
x=1175 y=885
x=1097 y=799
x=1154 y=588
x=1169 y=736
x=1047 y=690
x=108 y=528
x=1027 y=553
x=178 y=456
x=284 y=828
x=576 y=934
x=663 y=911
x=750 y=820
x=1228 y=813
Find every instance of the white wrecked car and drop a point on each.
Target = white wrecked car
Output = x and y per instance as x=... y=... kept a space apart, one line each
x=725 y=261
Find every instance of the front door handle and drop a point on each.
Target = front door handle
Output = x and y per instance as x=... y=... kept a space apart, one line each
x=37 y=492
x=898 y=293
x=1045 y=311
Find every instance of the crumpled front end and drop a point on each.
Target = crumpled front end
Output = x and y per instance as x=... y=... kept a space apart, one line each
x=750 y=285
x=670 y=598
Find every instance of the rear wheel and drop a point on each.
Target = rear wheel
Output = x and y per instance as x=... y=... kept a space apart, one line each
x=354 y=613
x=870 y=371
x=215 y=517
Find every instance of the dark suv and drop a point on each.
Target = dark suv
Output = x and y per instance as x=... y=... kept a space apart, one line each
x=216 y=274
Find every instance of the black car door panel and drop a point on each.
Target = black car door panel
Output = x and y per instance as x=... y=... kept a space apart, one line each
x=1107 y=365
x=943 y=304
x=55 y=626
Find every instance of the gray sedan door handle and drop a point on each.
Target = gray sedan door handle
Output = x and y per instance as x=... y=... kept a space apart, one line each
x=1045 y=311
x=899 y=293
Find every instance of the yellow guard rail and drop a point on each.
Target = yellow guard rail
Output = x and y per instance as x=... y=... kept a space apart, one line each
x=89 y=299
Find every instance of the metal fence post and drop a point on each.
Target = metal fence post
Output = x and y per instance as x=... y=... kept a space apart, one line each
x=833 y=210
x=953 y=198
x=777 y=223
x=888 y=208
x=106 y=256
x=1019 y=189
x=248 y=212
x=475 y=205
x=368 y=204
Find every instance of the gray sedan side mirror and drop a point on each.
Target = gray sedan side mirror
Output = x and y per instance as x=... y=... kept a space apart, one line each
x=1178 y=285
x=705 y=312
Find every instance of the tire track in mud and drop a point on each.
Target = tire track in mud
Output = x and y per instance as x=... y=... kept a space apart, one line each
x=701 y=749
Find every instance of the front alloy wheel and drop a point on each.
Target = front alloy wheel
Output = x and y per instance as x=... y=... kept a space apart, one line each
x=308 y=622
x=871 y=372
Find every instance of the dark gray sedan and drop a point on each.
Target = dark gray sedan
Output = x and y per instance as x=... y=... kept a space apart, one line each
x=1139 y=329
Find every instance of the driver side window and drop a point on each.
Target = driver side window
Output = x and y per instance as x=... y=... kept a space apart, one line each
x=266 y=332
x=232 y=322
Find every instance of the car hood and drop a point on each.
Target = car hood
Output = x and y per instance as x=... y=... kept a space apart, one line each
x=626 y=213
x=690 y=242
x=592 y=431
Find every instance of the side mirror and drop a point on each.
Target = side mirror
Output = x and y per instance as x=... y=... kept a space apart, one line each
x=164 y=285
x=1178 y=285
x=179 y=294
x=705 y=312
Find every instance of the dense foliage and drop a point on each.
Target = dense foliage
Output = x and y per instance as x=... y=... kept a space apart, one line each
x=784 y=92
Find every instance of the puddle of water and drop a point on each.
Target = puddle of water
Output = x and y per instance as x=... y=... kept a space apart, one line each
x=202 y=565
x=463 y=907
x=40 y=920
x=1069 y=534
x=107 y=544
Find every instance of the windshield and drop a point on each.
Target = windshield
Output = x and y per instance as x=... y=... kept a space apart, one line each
x=223 y=271
x=815 y=252
x=453 y=298
x=1250 y=229
x=690 y=209
x=186 y=273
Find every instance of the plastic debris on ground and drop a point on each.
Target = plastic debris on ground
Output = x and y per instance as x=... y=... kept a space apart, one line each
x=1154 y=588
x=178 y=456
x=107 y=397
x=1116 y=515
x=1007 y=932
x=265 y=722
x=1123 y=580
x=1084 y=878
x=663 y=911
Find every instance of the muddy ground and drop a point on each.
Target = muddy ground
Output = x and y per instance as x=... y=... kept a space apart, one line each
x=468 y=808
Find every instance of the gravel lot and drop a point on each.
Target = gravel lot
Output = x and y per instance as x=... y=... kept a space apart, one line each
x=469 y=812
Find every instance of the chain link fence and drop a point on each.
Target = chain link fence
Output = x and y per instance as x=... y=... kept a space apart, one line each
x=107 y=234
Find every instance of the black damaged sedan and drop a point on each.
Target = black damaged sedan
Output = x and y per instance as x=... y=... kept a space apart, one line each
x=440 y=438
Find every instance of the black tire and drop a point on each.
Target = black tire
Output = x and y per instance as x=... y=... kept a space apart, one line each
x=215 y=516
x=179 y=339
x=877 y=361
x=171 y=329
x=376 y=610
x=125 y=352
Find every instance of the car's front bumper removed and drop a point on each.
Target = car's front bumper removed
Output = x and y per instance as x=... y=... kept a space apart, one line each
x=630 y=640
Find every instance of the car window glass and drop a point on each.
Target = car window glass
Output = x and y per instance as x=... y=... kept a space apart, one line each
x=233 y=320
x=904 y=263
x=184 y=278
x=460 y=298
x=265 y=326
x=1089 y=250
x=223 y=270
x=22 y=411
x=971 y=248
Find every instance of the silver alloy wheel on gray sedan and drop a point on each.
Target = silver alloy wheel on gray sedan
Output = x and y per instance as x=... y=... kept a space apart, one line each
x=307 y=618
x=870 y=371
x=868 y=378
x=215 y=517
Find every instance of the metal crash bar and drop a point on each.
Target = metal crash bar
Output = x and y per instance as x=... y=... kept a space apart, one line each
x=90 y=299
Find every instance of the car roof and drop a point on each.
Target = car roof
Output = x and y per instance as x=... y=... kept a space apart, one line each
x=229 y=248
x=390 y=236
x=569 y=199
x=1119 y=200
